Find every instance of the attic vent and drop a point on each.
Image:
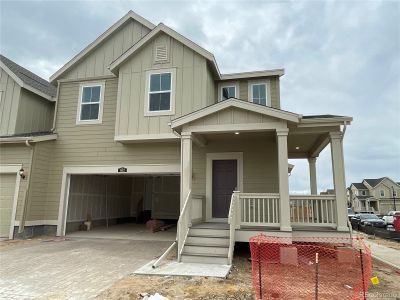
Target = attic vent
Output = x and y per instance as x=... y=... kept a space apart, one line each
x=161 y=54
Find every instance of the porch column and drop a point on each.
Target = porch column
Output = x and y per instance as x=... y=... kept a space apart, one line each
x=186 y=165
x=313 y=175
x=283 y=179
x=339 y=180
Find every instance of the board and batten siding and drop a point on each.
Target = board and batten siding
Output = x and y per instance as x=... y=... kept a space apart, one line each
x=193 y=89
x=96 y=63
x=260 y=168
x=35 y=114
x=8 y=103
x=93 y=144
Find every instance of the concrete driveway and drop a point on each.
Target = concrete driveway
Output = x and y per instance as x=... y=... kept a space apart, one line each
x=70 y=269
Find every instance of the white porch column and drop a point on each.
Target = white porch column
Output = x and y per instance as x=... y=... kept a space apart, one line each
x=313 y=175
x=281 y=136
x=186 y=165
x=339 y=180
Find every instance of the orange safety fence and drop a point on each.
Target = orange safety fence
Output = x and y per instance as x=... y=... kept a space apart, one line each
x=310 y=268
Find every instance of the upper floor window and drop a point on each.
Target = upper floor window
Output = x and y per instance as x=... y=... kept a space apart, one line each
x=90 y=107
x=382 y=193
x=258 y=92
x=363 y=193
x=228 y=90
x=160 y=92
x=394 y=193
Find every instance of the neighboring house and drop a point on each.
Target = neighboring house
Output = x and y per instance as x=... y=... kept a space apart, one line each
x=145 y=102
x=328 y=192
x=26 y=119
x=379 y=195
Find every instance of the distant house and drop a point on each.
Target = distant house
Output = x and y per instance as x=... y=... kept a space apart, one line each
x=328 y=192
x=378 y=195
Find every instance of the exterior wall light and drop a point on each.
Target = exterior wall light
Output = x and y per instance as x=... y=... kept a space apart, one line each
x=237 y=132
x=22 y=173
x=297 y=147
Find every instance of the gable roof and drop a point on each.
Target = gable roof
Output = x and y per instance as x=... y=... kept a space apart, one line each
x=28 y=80
x=233 y=102
x=167 y=30
x=359 y=185
x=100 y=39
x=374 y=181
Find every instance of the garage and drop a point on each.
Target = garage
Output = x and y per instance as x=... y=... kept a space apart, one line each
x=8 y=184
x=118 y=206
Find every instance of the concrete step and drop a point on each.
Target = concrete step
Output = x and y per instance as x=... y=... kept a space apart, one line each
x=207 y=240
x=209 y=231
x=219 y=259
x=206 y=249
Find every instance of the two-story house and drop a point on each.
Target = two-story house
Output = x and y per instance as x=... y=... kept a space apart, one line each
x=379 y=195
x=145 y=120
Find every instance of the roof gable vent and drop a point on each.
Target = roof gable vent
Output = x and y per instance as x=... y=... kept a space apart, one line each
x=161 y=53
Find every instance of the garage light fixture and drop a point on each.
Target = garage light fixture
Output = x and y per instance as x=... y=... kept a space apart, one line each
x=22 y=173
x=237 y=132
x=297 y=147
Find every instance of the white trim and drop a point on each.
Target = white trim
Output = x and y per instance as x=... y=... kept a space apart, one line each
x=254 y=74
x=24 y=85
x=103 y=169
x=171 y=110
x=265 y=110
x=221 y=156
x=267 y=84
x=222 y=85
x=31 y=139
x=132 y=138
x=99 y=119
x=101 y=38
x=6 y=169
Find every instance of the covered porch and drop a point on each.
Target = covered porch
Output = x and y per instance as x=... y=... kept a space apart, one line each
x=234 y=170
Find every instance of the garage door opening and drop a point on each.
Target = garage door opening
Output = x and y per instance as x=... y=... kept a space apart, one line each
x=118 y=206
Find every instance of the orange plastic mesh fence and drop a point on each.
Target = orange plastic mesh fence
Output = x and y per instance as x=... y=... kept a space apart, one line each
x=283 y=268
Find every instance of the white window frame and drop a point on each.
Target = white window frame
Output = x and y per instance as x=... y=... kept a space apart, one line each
x=99 y=119
x=394 y=193
x=364 y=193
x=267 y=84
x=171 y=110
x=225 y=85
x=381 y=192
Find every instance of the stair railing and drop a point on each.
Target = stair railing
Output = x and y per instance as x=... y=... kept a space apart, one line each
x=232 y=225
x=184 y=224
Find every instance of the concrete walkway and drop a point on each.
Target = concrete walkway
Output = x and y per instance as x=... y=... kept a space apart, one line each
x=70 y=269
x=385 y=254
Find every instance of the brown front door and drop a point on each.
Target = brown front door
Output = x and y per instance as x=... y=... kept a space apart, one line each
x=224 y=182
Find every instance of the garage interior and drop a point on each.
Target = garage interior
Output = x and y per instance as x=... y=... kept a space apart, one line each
x=118 y=206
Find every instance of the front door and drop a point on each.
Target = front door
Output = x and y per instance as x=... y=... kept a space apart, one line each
x=224 y=182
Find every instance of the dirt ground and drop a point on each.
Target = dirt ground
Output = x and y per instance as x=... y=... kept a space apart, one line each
x=237 y=286
x=380 y=241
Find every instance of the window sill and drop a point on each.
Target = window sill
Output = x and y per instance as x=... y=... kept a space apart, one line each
x=159 y=113
x=88 y=122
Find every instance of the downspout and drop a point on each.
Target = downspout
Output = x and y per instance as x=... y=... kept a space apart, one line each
x=53 y=128
x=26 y=196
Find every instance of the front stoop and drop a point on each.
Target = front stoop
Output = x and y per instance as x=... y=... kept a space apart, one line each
x=207 y=243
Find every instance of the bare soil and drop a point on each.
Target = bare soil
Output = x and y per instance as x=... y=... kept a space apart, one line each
x=238 y=285
x=384 y=242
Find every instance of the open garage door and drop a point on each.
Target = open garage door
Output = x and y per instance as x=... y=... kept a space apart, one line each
x=127 y=202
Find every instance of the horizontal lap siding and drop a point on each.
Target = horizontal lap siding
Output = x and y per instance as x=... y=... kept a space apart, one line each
x=94 y=144
x=17 y=154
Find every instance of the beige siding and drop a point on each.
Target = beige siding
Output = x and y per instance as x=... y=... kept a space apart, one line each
x=94 y=144
x=7 y=190
x=8 y=103
x=190 y=94
x=96 y=62
x=17 y=154
x=35 y=114
x=260 y=168
x=212 y=93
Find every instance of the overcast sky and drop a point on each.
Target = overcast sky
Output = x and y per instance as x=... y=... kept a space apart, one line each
x=339 y=58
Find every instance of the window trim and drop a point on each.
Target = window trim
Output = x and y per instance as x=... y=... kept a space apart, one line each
x=363 y=193
x=380 y=193
x=99 y=119
x=171 y=111
x=234 y=84
x=267 y=83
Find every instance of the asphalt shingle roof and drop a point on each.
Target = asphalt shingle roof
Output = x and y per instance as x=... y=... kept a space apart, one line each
x=374 y=181
x=359 y=185
x=27 y=134
x=29 y=78
x=321 y=116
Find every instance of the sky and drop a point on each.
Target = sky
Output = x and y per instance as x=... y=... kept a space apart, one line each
x=340 y=57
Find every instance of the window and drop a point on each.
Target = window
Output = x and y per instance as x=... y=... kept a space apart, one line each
x=228 y=92
x=394 y=193
x=90 y=107
x=160 y=93
x=363 y=193
x=259 y=93
x=382 y=193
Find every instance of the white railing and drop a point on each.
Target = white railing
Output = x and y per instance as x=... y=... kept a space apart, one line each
x=259 y=209
x=197 y=208
x=313 y=210
x=184 y=223
x=232 y=225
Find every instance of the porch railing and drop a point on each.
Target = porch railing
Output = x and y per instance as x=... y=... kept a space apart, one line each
x=313 y=210
x=259 y=209
x=232 y=216
x=184 y=223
